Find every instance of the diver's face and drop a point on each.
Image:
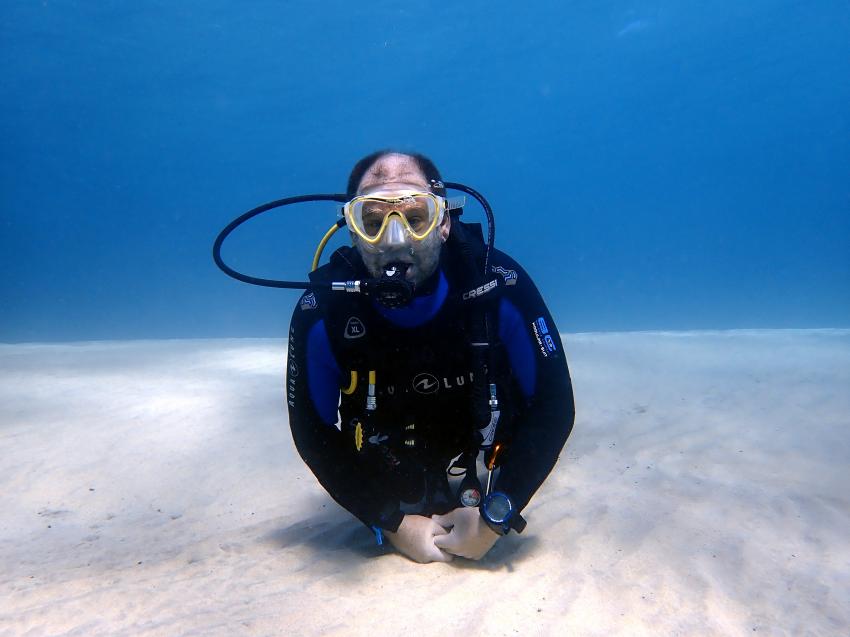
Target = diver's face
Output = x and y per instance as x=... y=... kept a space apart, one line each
x=400 y=172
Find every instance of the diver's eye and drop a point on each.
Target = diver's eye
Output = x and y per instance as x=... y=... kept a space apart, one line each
x=372 y=224
x=417 y=222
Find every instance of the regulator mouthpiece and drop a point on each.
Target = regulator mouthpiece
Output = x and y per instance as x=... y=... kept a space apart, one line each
x=393 y=289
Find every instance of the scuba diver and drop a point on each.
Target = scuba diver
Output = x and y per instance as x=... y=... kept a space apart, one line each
x=446 y=354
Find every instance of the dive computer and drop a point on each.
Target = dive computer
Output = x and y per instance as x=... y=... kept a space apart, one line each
x=500 y=514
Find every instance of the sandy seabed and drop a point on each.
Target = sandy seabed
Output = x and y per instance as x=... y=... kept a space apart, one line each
x=152 y=488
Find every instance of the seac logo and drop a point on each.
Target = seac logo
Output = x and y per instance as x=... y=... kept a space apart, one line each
x=426 y=383
x=354 y=328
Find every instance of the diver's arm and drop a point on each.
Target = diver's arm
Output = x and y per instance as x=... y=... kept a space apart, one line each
x=540 y=367
x=312 y=384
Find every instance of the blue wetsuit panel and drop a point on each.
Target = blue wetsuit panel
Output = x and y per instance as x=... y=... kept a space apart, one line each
x=323 y=374
x=517 y=342
x=421 y=309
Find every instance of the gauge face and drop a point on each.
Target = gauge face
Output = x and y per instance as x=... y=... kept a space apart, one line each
x=497 y=507
x=470 y=497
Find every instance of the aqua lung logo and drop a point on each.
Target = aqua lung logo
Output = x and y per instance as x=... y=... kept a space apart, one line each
x=459 y=381
x=308 y=301
x=426 y=384
x=354 y=328
x=290 y=388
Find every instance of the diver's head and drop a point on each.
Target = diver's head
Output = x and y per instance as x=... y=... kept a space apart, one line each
x=397 y=213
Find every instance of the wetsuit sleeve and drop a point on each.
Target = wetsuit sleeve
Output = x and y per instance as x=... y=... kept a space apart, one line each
x=539 y=365
x=312 y=384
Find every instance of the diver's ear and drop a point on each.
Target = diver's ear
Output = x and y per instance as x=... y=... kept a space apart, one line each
x=445 y=227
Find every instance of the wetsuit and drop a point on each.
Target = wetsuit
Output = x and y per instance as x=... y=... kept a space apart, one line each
x=384 y=462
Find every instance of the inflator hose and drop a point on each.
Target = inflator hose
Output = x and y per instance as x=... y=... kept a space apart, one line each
x=269 y=283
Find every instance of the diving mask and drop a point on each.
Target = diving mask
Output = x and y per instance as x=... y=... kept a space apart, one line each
x=391 y=217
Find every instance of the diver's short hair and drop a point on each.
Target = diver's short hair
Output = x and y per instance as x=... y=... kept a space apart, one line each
x=422 y=162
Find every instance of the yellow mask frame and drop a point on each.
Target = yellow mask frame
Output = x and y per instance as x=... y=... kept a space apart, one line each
x=353 y=212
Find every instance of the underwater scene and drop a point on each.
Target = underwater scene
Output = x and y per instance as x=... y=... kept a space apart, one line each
x=424 y=318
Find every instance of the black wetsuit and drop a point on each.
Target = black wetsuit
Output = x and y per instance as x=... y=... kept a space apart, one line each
x=381 y=463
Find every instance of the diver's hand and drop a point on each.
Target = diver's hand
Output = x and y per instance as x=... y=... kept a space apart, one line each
x=470 y=536
x=415 y=539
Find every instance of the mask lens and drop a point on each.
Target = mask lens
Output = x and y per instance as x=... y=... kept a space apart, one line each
x=372 y=220
x=369 y=213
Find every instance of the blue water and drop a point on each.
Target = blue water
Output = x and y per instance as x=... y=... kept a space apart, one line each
x=654 y=165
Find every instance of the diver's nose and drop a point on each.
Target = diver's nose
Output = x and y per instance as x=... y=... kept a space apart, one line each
x=394 y=235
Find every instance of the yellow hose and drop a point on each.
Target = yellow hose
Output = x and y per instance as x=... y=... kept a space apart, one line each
x=317 y=257
x=353 y=385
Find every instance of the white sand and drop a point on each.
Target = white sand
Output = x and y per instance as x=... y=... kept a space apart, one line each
x=151 y=488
